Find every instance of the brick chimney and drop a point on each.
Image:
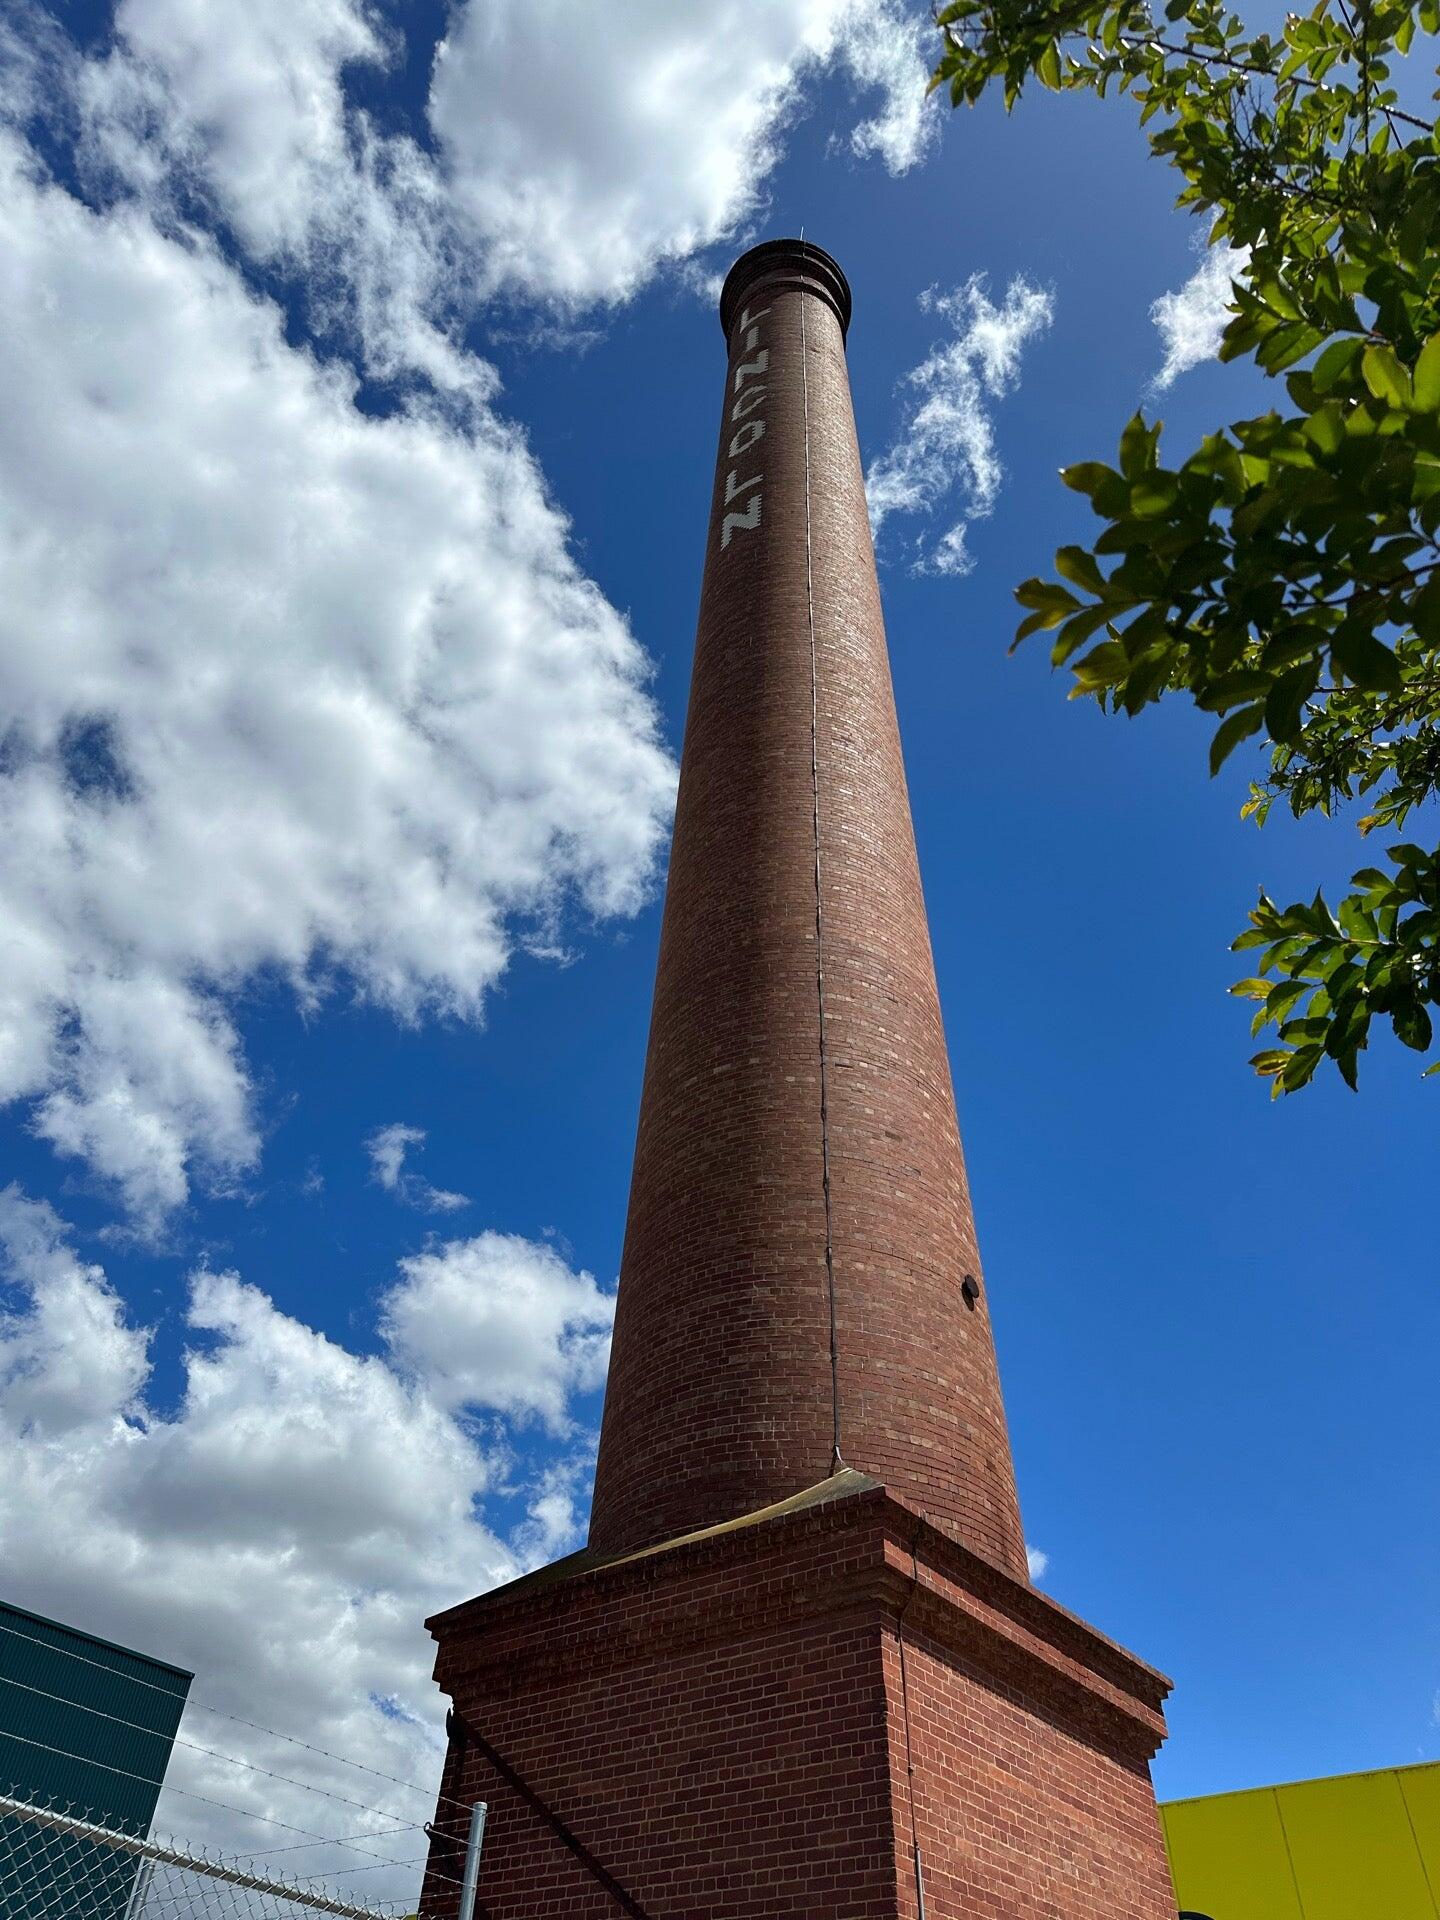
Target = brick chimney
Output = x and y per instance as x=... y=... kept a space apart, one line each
x=793 y=1292
x=798 y=1670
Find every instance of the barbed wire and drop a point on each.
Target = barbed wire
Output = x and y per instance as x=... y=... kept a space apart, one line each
x=61 y=1864
x=242 y=1813
x=204 y=1706
x=211 y=1753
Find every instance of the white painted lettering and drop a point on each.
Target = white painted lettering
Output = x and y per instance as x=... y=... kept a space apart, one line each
x=734 y=486
x=745 y=368
x=753 y=431
x=750 y=519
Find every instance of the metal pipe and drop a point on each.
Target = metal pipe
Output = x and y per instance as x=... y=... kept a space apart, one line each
x=472 y=1859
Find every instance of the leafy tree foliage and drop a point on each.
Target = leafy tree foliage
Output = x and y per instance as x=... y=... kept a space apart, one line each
x=1284 y=575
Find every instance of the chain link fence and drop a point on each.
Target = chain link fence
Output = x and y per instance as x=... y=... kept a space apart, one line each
x=56 y=1865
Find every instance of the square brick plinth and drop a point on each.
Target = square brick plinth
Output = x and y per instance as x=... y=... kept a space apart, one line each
x=732 y=1726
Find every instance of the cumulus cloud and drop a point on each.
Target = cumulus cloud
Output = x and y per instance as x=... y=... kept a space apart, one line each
x=1191 y=320
x=581 y=182
x=292 y=691
x=663 y=150
x=945 y=449
x=1037 y=1562
x=500 y=1322
x=286 y=1528
x=387 y=1148
x=245 y=110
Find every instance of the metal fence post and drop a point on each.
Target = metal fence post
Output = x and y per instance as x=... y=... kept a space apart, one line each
x=472 y=1859
x=144 y=1872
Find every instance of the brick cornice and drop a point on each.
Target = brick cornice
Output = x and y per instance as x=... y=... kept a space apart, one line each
x=864 y=1552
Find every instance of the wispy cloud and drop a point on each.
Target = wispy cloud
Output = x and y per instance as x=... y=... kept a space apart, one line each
x=1037 y=1562
x=387 y=1148
x=944 y=454
x=1191 y=320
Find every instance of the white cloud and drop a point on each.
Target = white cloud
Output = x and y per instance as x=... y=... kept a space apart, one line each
x=945 y=446
x=295 y=691
x=1192 y=319
x=662 y=149
x=500 y=1322
x=387 y=1148
x=889 y=49
x=245 y=108
x=292 y=691
x=283 y=1531
x=1037 y=1562
x=583 y=173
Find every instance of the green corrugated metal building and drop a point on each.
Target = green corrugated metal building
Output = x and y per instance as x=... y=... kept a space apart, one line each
x=83 y=1723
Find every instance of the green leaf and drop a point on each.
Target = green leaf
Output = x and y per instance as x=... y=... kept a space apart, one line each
x=1154 y=494
x=1231 y=688
x=1137 y=448
x=1365 y=661
x=1385 y=376
x=1285 y=702
x=1101 y=667
x=1108 y=492
x=1078 y=565
x=1412 y=1025
x=1427 y=376
x=1086 y=475
x=1032 y=623
x=1335 y=363
x=1228 y=735
x=1283 y=997
x=1252 y=989
x=1300 y=1067
x=1075 y=632
x=1047 y=596
x=1425 y=610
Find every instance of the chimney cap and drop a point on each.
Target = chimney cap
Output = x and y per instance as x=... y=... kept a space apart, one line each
x=798 y=263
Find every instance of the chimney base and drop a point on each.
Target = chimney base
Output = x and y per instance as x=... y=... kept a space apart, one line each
x=762 y=1720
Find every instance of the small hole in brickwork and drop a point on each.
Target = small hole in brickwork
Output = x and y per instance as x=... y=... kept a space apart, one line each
x=970 y=1290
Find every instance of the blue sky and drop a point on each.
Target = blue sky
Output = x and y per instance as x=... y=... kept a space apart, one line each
x=374 y=839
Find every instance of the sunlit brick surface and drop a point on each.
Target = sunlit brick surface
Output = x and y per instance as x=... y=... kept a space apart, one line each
x=719 y=1398
x=722 y=1727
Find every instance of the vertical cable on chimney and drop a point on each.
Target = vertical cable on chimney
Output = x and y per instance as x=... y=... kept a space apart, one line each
x=836 y=1457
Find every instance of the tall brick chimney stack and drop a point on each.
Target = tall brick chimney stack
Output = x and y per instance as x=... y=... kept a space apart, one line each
x=799 y=1670
x=793 y=1291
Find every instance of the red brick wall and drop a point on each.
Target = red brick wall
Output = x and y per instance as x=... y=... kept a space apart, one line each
x=720 y=1399
x=723 y=1727
x=1017 y=1817
x=713 y=1739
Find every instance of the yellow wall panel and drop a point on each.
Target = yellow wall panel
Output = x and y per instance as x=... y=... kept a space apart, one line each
x=1353 y=1850
x=1363 y=1846
x=1227 y=1856
x=1420 y=1787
